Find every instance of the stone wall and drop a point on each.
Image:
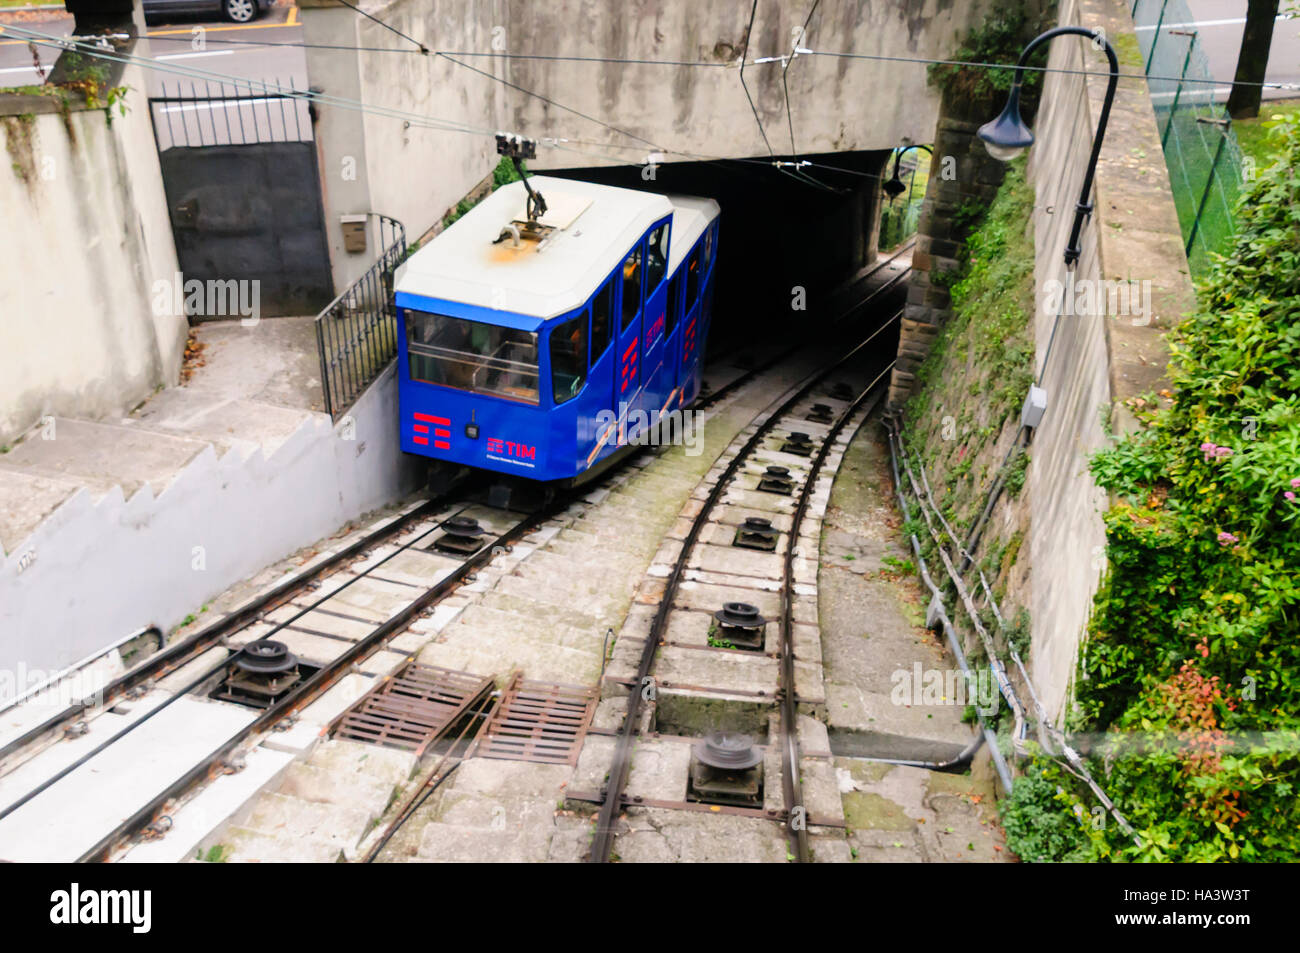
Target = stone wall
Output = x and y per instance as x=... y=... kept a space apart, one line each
x=961 y=172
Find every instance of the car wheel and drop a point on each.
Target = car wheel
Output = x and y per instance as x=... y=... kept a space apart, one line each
x=241 y=11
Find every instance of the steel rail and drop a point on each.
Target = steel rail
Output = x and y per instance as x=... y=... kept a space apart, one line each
x=182 y=652
x=790 y=773
x=193 y=684
x=603 y=839
x=712 y=398
x=318 y=683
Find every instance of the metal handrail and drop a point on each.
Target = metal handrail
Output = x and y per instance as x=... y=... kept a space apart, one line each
x=356 y=333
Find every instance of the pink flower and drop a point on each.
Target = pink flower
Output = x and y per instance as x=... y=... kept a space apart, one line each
x=1223 y=451
x=1227 y=539
x=1295 y=484
x=1289 y=495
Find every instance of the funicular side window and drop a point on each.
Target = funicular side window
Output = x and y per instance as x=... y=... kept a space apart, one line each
x=674 y=293
x=472 y=356
x=600 y=312
x=708 y=250
x=656 y=258
x=631 y=287
x=569 y=358
x=692 y=278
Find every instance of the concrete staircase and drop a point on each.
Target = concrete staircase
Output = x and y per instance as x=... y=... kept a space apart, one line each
x=321 y=810
x=108 y=526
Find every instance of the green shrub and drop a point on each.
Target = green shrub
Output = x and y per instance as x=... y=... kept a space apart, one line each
x=1195 y=638
x=1040 y=820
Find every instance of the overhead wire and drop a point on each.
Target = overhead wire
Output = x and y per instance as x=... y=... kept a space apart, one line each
x=730 y=64
x=392 y=29
x=749 y=34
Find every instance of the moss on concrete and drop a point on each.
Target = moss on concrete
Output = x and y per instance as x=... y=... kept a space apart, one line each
x=864 y=811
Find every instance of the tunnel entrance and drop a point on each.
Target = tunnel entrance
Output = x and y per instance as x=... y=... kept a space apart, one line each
x=781 y=229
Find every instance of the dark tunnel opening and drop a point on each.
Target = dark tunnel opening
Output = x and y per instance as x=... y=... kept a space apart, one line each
x=782 y=229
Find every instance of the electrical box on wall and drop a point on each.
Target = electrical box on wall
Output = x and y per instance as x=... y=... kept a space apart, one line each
x=354 y=233
x=1035 y=406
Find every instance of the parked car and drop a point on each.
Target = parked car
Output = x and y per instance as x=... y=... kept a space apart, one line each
x=240 y=11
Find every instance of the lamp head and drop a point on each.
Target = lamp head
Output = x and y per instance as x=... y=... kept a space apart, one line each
x=1007 y=136
x=894 y=187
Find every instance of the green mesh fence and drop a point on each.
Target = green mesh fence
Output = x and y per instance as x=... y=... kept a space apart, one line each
x=1201 y=151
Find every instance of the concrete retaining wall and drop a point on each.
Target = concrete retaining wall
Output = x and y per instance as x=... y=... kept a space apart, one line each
x=1098 y=360
x=86 y=234
x=218 y=522
x=377 y=164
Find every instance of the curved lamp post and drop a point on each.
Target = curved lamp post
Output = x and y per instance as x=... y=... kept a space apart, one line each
x=1007 y=136
x=895 y=187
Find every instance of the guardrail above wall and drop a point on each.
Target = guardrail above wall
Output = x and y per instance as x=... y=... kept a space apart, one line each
x=1201 y=151
x=356 y=333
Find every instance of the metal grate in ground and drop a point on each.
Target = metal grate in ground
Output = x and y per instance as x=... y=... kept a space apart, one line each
x=539 y=721
x=412 y=708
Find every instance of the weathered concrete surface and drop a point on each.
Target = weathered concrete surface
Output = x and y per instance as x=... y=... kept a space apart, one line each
x=873 y=621
x=898 y=814
x=87 y=234
x=203 y=486
x=1098 y=359
x=873 y=626
x=418 y=171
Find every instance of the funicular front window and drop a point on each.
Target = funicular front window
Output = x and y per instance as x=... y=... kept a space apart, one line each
x=473 y=356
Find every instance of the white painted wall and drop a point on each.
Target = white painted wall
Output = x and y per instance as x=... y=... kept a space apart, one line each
x=86 y=234
x=96 y=565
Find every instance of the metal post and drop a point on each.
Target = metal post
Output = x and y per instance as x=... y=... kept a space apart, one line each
x=1223 y=125
x=1178 y=92
x=1155 y=38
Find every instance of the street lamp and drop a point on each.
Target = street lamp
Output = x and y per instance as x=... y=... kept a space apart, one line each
x=1007 y=136
x=895 y=187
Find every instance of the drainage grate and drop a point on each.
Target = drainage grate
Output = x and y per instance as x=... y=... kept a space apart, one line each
x=412 y=708
x=539 y=721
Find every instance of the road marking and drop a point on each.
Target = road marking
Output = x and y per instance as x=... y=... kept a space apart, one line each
x=292 y=20
x=186 y=56
x=26 y=69
x=1191 y=26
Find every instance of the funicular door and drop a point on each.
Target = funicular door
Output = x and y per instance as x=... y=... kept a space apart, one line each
x=627 y=348
x=655 y=376
x=692 y=330
x=673 y=381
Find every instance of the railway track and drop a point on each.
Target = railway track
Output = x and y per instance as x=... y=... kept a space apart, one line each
x=746 y=457
x=313 y=608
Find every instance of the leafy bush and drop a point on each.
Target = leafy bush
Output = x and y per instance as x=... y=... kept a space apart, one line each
x=999 y=39
x=1039 y=818
x=1195 y=641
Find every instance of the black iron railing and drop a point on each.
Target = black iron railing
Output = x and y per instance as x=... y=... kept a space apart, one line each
x=356 y=334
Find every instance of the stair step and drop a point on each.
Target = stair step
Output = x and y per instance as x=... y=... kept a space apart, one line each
x=25 y=500
x=99 y=455
x=240 y=424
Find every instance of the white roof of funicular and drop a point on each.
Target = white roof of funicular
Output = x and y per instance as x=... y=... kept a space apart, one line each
x=691 y=216
x=595 y=226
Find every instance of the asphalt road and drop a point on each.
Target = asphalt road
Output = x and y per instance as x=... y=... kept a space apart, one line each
x=1219 y=25
x=227 y=48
